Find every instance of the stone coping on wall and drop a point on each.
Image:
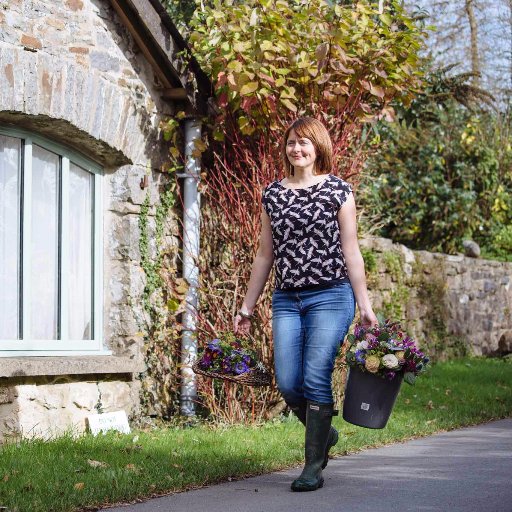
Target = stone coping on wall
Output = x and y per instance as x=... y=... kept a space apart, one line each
x=454 y=303
x=76 y=365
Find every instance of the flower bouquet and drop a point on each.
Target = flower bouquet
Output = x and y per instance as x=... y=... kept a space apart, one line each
x=385 y=351
x=229 y=358
x=379 y=359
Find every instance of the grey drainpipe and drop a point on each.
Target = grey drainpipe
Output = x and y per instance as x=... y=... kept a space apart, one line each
x=191 y=220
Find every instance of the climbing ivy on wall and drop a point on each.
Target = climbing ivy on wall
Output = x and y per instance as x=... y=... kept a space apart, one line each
x=163 y=302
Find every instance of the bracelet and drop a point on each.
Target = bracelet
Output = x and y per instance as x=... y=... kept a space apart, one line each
x=245 y=315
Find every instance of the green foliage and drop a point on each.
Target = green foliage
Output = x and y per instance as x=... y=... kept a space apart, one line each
x=174 y=135
x=370 y=262
x=393 y=263
x=399 y=295
x=501 y=246
x=443 y=178
x=431 y=291
x=150 y=266
x=181 y=12
x=271 y=59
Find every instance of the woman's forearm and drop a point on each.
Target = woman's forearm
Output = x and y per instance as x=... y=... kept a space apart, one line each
x=259 y=274
x=356 y=274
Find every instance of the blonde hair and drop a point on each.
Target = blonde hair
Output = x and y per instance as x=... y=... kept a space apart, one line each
x=312 y=129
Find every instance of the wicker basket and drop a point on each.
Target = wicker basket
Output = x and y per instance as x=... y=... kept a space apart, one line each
x=253 y=377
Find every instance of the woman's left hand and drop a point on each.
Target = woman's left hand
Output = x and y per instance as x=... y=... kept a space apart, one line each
x=368 y=318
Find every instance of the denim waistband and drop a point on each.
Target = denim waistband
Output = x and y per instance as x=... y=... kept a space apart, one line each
x=321 y=286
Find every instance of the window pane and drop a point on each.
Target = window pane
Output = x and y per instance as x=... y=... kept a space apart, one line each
x=44 y=244
x=80 y=253
x=10 y=151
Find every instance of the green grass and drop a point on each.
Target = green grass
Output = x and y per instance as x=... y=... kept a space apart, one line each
x=41 y=476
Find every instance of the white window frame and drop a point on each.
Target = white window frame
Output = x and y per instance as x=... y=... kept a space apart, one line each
x=64 y=346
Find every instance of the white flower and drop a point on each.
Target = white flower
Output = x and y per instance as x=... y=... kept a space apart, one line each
x=261 y=367
x=362 y=345
x=390 y=361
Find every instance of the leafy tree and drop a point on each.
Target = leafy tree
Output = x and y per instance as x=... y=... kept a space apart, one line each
x=475 y=35
x=440 y=90
x=181 y=11
x=273 y=59
x=443 y=172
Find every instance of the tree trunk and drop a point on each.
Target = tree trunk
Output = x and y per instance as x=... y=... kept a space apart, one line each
x=510 y=52
x=475 y=59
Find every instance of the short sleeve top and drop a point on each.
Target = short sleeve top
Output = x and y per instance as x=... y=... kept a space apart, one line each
x=306 y=233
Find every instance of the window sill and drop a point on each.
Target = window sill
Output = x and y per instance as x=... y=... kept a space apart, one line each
x=74 y=365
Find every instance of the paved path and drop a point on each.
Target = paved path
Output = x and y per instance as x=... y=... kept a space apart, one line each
x=467 y=470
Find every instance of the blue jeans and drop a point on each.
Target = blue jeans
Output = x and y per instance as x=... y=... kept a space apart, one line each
x=309 y=327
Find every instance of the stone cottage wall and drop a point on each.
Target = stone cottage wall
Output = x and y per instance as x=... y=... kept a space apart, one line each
x=452 y=304
x=70 y=71
x=46 y=407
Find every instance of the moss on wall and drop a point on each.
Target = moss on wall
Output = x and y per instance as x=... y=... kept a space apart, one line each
x=416 y=298
x=430 y=284
x=370 y=262
x=394 y=307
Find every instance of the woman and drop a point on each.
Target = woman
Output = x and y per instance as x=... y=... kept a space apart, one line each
x=309 y=233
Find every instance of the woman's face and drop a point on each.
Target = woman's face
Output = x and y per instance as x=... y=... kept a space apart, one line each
x=300 y=151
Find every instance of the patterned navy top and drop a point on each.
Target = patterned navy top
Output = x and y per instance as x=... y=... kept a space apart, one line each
x=306 y=234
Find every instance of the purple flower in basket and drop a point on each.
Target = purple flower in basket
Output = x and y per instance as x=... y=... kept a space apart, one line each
x=227 y=355
x=371 y=338
x=213 y=352
x=241 y=368
x=206 y=361
x=226 y=365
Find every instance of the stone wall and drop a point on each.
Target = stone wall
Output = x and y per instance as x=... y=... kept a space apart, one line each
x=70 y=71
x=451 y=304
x=73 y=61
x=48 y=406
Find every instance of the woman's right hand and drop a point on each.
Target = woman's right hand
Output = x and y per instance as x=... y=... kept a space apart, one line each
x=241 y=325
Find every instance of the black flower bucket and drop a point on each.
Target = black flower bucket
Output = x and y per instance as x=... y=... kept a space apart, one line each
x=369 y=399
